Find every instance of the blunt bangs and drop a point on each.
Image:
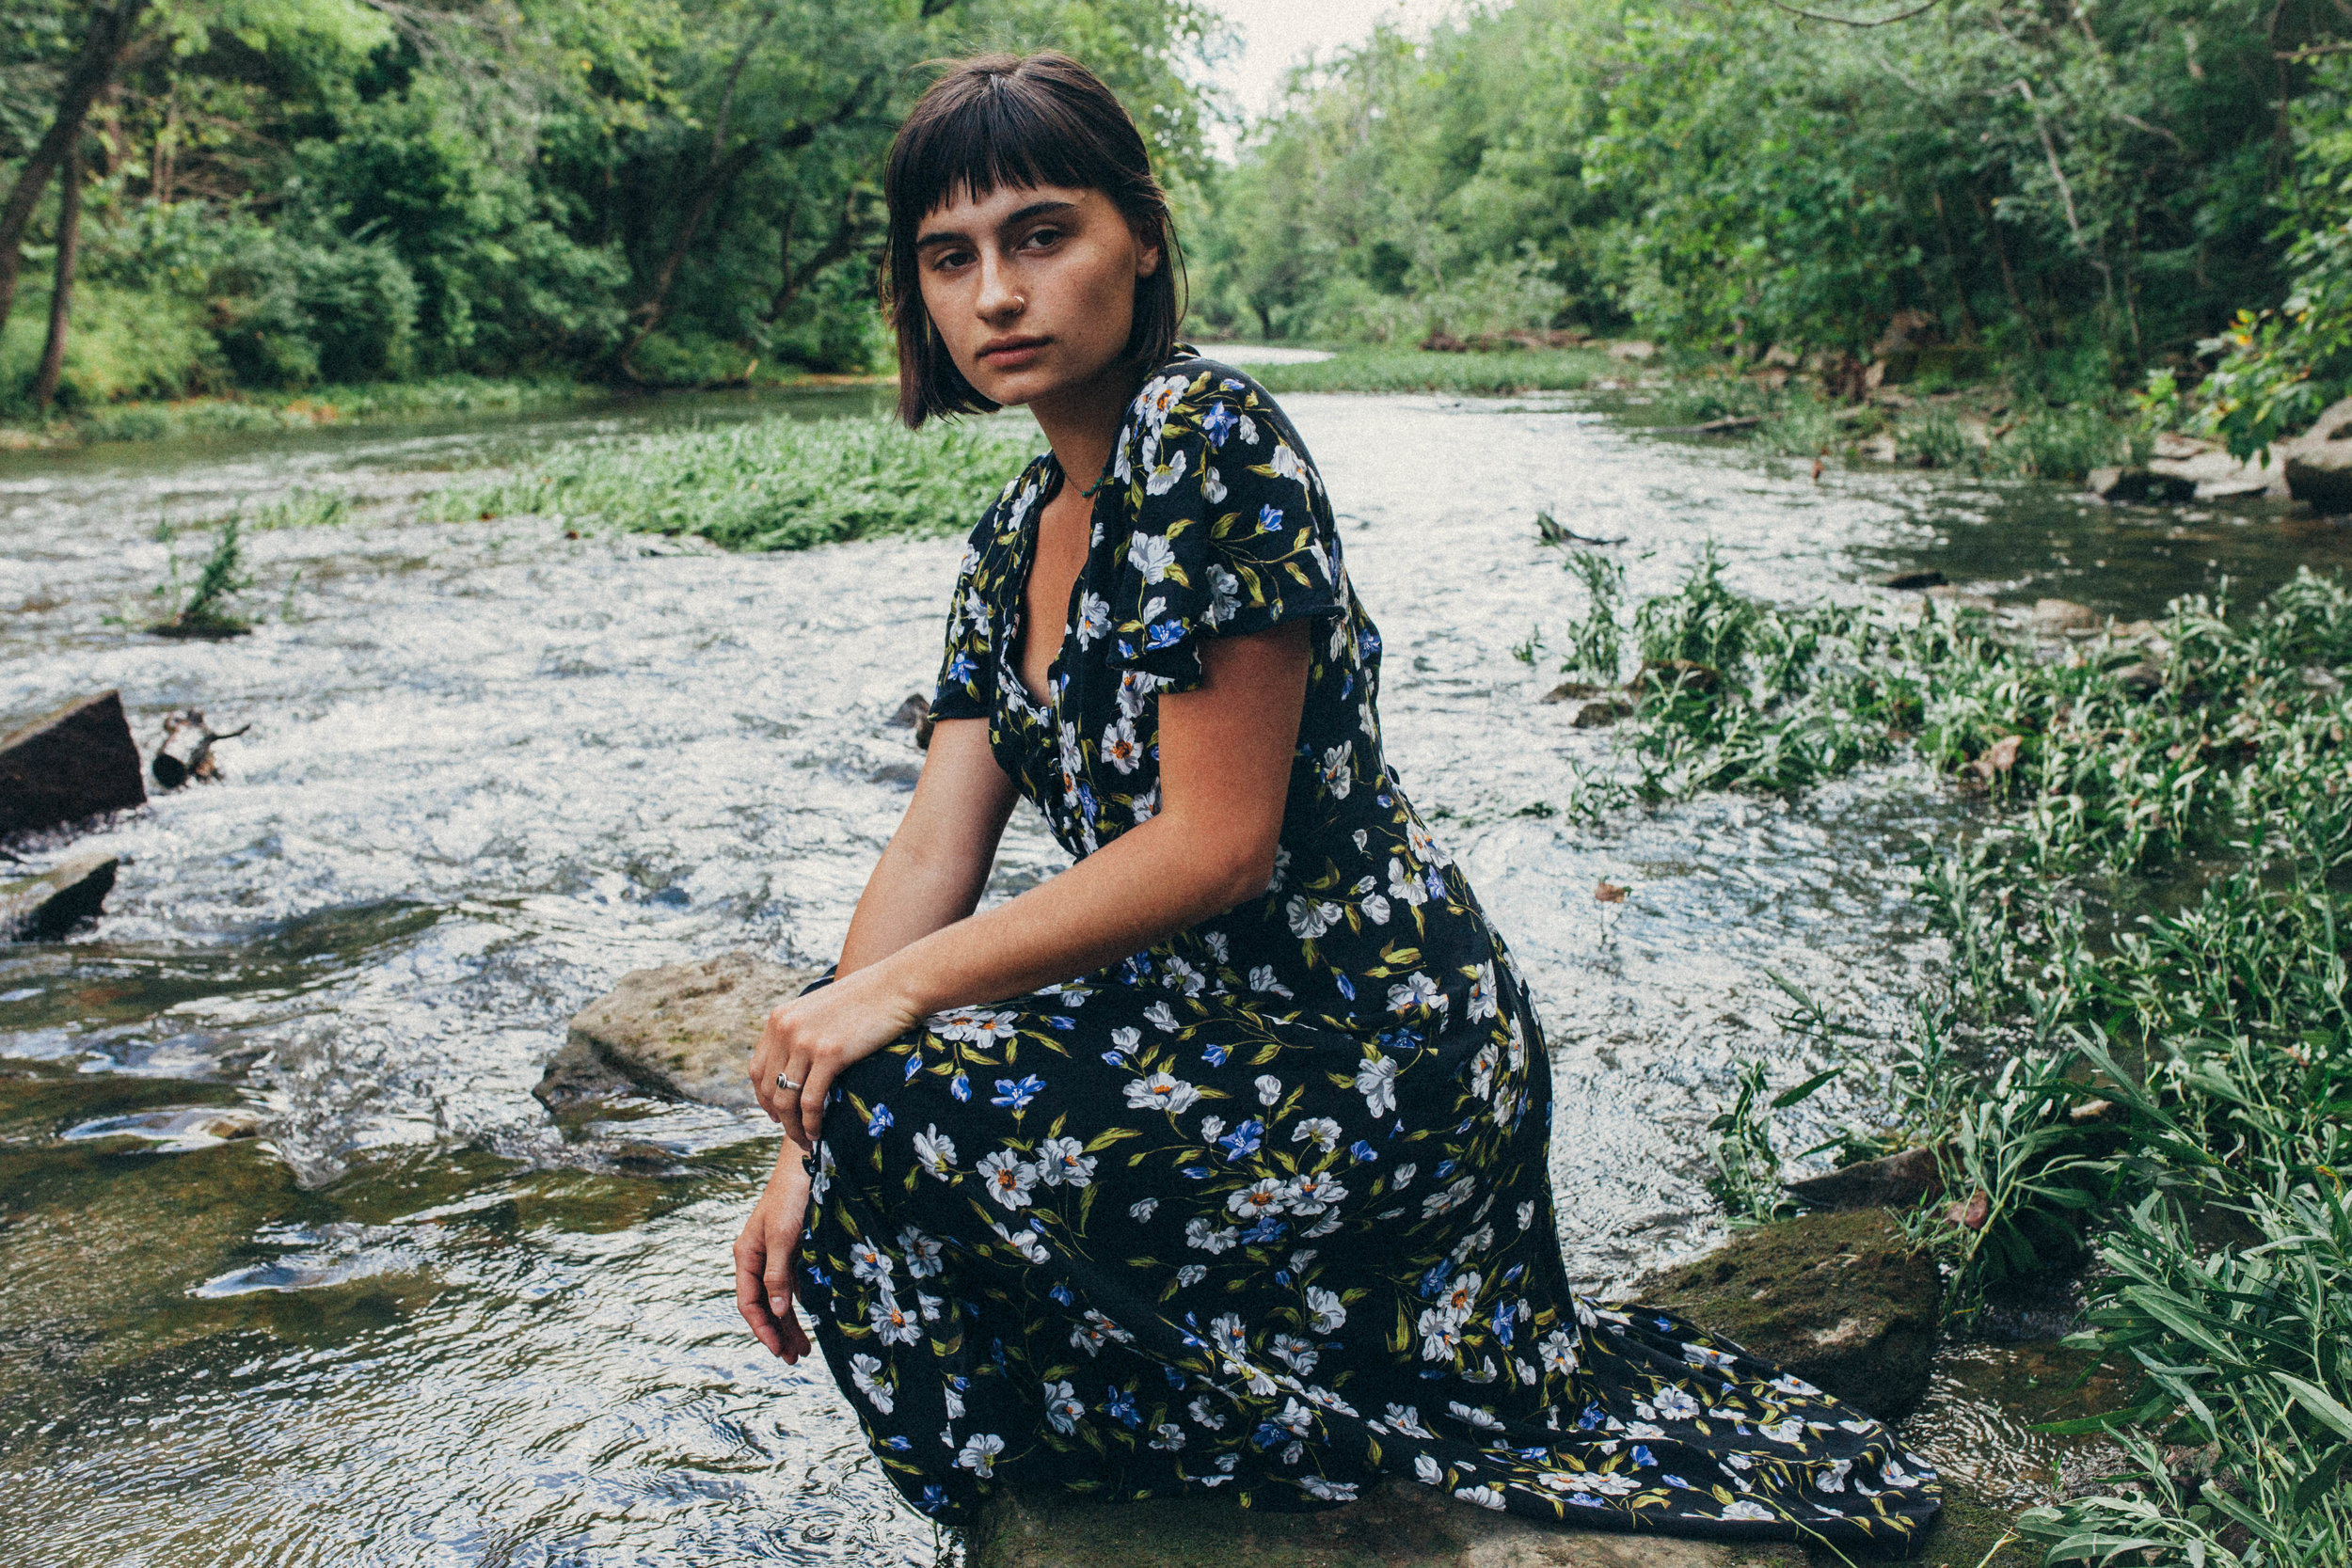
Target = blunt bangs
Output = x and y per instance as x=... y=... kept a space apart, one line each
x=1006 y=121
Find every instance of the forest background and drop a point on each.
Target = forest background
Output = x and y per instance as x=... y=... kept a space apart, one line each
x=2090 y=202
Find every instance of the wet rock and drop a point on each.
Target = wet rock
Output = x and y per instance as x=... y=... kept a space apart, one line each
x=1633 y=349
x=2141 y=485
x=1567 y=692
x=1913 y=582
x=1897 y=1181
x=685 y=1031
x=1841 y=1300
x=2214 y=472
x=1958 y=600
x=1668 y=674
x=74 y=763
x=2142 y=680
x=915 y=714
x=2057 y=617
x=45 y=906
x=1401 y=1525
x=175 y=1129
x=2319 y=462
x=1600 y=711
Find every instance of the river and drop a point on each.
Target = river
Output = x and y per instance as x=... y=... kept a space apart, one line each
x=492 y=766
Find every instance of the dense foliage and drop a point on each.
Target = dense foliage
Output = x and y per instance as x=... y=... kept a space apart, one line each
x=279 y=192
x=2075 y=191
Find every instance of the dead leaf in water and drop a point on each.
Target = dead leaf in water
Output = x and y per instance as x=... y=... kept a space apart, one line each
x=1610 y=892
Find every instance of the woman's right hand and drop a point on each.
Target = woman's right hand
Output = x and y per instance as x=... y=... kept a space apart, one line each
x=767 y=1253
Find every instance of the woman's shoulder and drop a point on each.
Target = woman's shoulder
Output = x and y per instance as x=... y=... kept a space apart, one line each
x=1192 y=384
x=1214 y=420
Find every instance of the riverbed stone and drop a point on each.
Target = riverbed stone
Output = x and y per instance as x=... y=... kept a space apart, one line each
x=2140 y=484
x=2319 y=462
x=68 y=765
x=1401 y=1525
x=1895 y=1181
x=1842 y=1300
x=684 y=1031
x=48 y=904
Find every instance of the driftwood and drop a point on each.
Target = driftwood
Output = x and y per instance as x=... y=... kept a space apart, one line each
x=187 y=749
x=74 y=763
x=1711 y=427
x=1552 y=531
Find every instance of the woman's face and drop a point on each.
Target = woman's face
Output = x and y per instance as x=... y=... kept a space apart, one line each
x=1033 y=289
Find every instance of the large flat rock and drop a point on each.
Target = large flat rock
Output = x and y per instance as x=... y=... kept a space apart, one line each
x=69 y=764
x=1841 y=1300
x=1402 y=1525
x=683 y=1030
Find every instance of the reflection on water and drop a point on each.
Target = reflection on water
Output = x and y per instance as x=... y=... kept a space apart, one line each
x=490 y=768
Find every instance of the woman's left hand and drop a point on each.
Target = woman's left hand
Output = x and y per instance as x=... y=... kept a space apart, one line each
x=811 y=1038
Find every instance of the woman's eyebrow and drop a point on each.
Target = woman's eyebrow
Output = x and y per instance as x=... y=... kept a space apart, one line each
x=956 y=236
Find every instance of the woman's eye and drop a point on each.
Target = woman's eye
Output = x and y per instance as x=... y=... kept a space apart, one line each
x=1043 y=237
x=947 y=260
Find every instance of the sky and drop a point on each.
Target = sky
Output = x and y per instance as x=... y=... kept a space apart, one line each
x=1275 y=32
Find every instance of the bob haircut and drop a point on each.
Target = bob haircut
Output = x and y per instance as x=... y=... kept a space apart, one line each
x=1017 y=121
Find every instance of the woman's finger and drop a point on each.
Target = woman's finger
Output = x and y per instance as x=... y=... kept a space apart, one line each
x=782 y=1286
x=749 y=1297
x=813 y=1092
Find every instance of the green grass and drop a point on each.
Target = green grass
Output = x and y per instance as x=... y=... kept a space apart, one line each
x=777 y=484
x=1407 y=370
x=2141 y=1045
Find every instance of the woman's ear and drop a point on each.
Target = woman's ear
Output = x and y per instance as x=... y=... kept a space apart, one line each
x=1147 y=260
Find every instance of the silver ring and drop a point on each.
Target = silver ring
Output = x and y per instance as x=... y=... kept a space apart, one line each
x=784 y=1083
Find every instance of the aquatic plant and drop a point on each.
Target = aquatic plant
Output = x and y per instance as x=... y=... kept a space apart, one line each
x=2110 y=1064
x=1408 y=370
x=773 y=484
x=203 y=613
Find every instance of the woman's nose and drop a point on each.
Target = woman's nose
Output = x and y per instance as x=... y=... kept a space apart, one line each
x=999 y=296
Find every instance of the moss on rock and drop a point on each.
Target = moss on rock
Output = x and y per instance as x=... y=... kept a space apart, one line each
x=1841 y=1300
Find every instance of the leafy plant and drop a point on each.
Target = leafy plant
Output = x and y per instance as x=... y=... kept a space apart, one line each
x=204 y=612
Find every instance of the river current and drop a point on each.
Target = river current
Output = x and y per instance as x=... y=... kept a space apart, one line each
x=492 y=766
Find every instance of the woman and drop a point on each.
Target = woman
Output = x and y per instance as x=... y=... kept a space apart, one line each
x=1217 y=1161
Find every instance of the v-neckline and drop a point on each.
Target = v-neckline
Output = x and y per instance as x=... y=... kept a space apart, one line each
x=1032 y=528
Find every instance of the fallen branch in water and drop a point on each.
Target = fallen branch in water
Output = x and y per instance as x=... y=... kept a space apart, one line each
x=1552 y=531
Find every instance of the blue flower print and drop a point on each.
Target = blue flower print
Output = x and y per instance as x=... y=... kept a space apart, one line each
x=1017 y=1094
x=1269 y=519
x=1243 y=1140
x=1218 y=422
x=959 y=1086
x=878 y=1123
x=1120 y=1407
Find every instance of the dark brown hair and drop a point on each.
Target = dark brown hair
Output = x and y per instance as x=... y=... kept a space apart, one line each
x=1017 y=121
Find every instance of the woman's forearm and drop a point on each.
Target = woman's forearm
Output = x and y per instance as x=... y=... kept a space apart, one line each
x=932 y=873
x=1144 y=885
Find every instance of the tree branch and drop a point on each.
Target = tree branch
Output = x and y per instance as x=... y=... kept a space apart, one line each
x=104 y=48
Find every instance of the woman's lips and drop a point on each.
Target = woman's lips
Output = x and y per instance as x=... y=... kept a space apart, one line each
x=1011 y=357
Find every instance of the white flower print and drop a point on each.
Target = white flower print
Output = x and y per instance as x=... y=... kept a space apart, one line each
x=923 y=1252
x=1673 y=1405
x=1707 y=1355
x=1376 y=908
x=1440 y=1335
x=1424 y=848
x=1311 y=917
x=1328 y=1312
x=1161 y=1016
x=1788 y=1382
x=1141 y=1210
x=1094 y=619
x=1746 y=1509
x=1339 y=770
x=1063 y=1407
x=1404 y=1176
x=1452 y=1198
x=1323 y=1130
x=1270 y=1089
x=1163 y=476
x=1559 y=1352
x=1120 y=748
x=1518 y=1044
x=1126 y=1039
x=1375 y=1080
x=1022 y=1242
x=1415 y=990
x=1285 y=463
x=1329 y=1491
x=1220 y=947
x=862 y=1369
x=1212 y=1129
x=1224 y=594
x=1146 y=806
x=1484 y=1496
x=1191 y=1274
x=1209 y=1237
x=1832 y=1476
x=980 y=1453
x=1211 y=484
x=1299 y=1353
x=1228 y=1335
x=1405 y=887
x=1162 y=1091
x=869 y=1262
x=953 y=1403
x=1427 y=1471
x=1310 y=1193
x=1157 y=400
x=894 y=1323
x=1262 y=1197
x=1169 y=1435
x=1261 y=978
x=1482 y=993
x=1199 y=1410
x=1527 y=1213
x=1009 y=1178
x=1064 y=1160
x=1175 y=971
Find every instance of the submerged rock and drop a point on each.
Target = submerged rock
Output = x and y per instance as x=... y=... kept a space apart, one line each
x=47 y=905
x=2058 y=617
x=1896 y=1182
x=2319 y=462
x=685 y=1031
x=1402 y=1525
x=69 y=764
x=2141 y=485
x=1842 y=1300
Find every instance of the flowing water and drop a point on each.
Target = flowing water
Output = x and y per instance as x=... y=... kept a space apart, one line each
x=490 y=768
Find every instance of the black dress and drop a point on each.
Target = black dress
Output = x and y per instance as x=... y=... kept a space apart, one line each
x=1263 y=1207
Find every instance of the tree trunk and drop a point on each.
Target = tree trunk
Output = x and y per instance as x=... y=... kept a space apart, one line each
x=104 y=49
x=61 y=293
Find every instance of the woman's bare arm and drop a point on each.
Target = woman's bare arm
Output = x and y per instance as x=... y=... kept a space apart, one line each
x=1226 y=751
x=937 y=864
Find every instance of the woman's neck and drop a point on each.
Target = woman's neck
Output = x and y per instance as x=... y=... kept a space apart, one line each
x=1081 y=423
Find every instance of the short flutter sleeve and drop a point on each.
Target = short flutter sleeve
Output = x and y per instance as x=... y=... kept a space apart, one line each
x=967 y=668
x=1230 y=533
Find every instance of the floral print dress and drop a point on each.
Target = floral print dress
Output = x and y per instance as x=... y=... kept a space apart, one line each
x=1262 y=1210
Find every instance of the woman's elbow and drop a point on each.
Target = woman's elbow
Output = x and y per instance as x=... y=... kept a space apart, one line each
x=1245 y=870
